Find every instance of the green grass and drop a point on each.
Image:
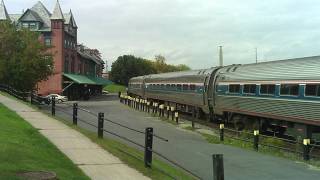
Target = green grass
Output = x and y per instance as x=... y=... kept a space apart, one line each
x=134 y=158
x=115 y=88
x=117 y=149
x=23 y=148
x=262 y=149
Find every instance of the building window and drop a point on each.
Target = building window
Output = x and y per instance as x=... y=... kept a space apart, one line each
x=234 y=88
x=312 y=90
x=73 y=66
x=25 y=25
x=33 y=25
x=289 y=89
x=47 y=41
x=66 y=65
x=249 y=88
x=267 y=89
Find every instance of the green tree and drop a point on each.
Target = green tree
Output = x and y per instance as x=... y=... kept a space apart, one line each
x=24 y=60
x=162 y=67
x=128 y=66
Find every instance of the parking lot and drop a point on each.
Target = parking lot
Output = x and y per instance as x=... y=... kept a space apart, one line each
x=187 y=148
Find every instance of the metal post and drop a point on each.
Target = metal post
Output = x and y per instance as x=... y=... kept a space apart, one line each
x=53 y=106
x=168 y=112
x=172 y=113
x=31 y=98
x=218 y=169
x=176 y=115
x=75 y=113
x=193 y=116
x=221 y=132
x=156 y=108
x=306 y=149
x=148 y=147
x=100 y=124
x=256 y=140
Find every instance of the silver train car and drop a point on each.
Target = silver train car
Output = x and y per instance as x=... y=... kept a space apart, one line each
x=282 y=96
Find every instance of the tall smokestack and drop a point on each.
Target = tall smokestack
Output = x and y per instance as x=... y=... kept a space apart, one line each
x=220 y=56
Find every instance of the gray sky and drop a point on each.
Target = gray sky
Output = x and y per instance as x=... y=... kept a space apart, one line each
x=190 y=31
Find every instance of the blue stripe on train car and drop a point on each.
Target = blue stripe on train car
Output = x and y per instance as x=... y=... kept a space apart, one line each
x=224 y=90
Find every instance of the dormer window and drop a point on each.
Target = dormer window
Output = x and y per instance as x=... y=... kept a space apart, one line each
x=33 y=25
x=25 y=25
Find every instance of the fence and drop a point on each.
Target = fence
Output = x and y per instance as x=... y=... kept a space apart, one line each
x=304 y=148
x=18 y=94
x=100 y=127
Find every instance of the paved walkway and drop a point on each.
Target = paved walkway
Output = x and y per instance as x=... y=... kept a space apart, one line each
x=88 y=156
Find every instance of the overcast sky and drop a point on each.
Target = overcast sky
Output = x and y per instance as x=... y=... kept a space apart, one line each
x=190 y=31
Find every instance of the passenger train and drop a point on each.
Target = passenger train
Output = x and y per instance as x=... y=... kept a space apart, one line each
x=282 y=96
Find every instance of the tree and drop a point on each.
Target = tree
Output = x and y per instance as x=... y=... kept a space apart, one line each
x=128 y=66
x=24 y=61
x=162 y=67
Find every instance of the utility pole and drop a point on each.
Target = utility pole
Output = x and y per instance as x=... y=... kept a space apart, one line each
x=220 y=56
x=256 y=55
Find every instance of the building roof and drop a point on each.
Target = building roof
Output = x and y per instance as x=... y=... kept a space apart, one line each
x=87 y=54
x=3 y=12
x=81 y=79
x=41 y=14
x=57 y=12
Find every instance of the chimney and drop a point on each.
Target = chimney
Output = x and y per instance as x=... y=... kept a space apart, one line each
x=220 y=56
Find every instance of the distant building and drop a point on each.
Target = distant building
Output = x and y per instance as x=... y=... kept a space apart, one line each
x=78 y=70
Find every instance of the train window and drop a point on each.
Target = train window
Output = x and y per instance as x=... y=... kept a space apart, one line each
x=162 y=86
x=267 y=89
x=179 y=87
x=167 y=86
x=185 y=87
x=173 y=86
x=249 y=88
x=192 y=87
x=289 y=89
x=234 y=88
x=312 y=90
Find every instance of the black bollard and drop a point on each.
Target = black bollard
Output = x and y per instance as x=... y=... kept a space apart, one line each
x=218 y=169
x=75 y=114
x=148 y=147
x=176 y=115
x=221 y=132
x=256 y=140
x=172 y=113
x=53 y=106
x=100 y=124
x=306 y=149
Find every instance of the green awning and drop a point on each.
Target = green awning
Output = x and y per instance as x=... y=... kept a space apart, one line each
x=102 y=81
x=81 y=79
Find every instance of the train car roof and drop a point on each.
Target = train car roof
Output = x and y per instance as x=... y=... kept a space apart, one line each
x=199 y=72
x=305 y=68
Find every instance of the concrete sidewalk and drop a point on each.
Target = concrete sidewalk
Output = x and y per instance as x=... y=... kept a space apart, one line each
x=88 y=156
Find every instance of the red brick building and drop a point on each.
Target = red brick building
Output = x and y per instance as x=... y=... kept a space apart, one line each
x=77 y=69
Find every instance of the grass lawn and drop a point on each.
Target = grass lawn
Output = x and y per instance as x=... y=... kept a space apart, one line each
x=115 y=88
x=23 y=148
x=133 y=157
x=127 y=154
